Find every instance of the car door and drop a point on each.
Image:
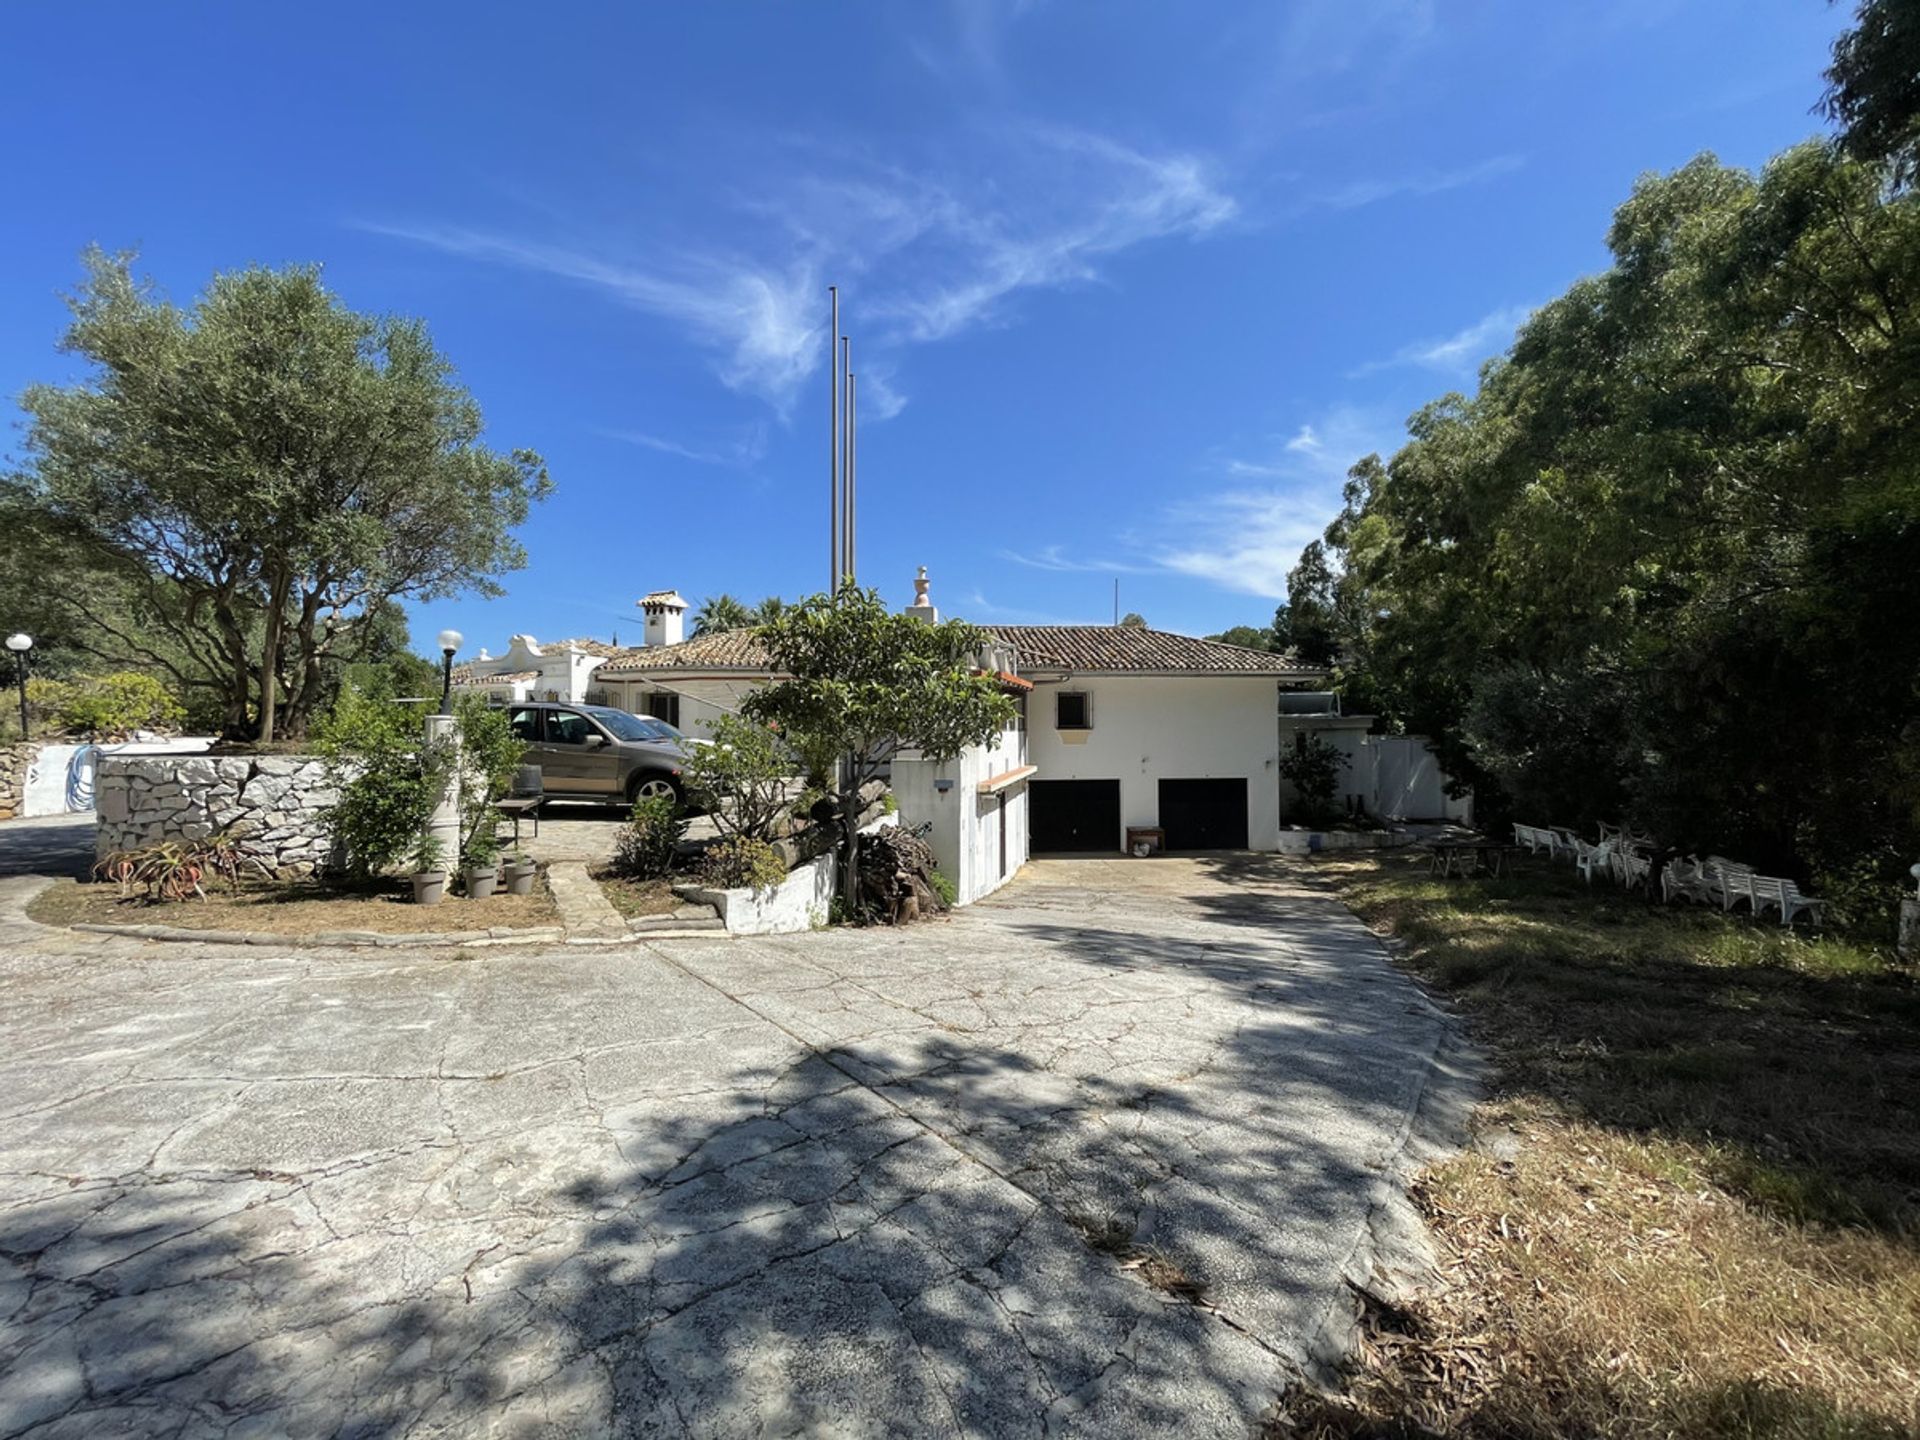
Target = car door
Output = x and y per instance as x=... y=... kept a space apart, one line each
x=577 y=756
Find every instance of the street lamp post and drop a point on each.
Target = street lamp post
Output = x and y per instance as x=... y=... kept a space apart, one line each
x=21 y=645
x=449 y=643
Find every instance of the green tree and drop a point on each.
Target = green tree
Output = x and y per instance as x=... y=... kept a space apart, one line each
x=257 y=474
x=769 y=610
x=1248 y=637
x=1654 y=564
x=1873 y=87
x=721 y=612
x=868 y=683
x=1133 y=619
x=742 y=776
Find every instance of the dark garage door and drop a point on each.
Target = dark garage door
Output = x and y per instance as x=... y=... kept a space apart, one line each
x=1204 y=814
x=1073 y=815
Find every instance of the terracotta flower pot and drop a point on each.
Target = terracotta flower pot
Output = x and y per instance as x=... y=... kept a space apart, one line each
x=429 y=886
x=481 y=882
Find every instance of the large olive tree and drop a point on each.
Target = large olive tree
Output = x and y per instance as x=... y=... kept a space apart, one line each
x=263 y=473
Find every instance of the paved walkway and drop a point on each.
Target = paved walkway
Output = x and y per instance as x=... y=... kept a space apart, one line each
x=850 y=1183
x=53 y=845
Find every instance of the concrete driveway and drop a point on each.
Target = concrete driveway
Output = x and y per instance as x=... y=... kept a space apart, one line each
x=1091 y=1158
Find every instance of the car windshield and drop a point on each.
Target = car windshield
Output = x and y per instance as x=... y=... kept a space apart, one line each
x=661 y=728
x=629 y=727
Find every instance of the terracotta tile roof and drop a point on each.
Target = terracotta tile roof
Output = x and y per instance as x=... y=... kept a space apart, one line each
x=720 y=650
x=1124 y=648
x=466 y=675
x=584 y=646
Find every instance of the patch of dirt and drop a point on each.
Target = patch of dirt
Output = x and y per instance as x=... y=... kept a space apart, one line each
x=300 y=908
x=634 y=898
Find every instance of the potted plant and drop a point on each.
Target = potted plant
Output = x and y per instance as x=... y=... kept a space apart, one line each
x=520 y=873
x=482 y=863
x=429 y=880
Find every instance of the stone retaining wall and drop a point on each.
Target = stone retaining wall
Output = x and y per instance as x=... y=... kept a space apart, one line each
x=15 y=759
x=272 y=801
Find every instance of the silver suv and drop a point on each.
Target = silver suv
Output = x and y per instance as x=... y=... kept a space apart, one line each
x=595 y=752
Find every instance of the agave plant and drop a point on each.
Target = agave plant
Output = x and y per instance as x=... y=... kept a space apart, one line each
x=173 y=870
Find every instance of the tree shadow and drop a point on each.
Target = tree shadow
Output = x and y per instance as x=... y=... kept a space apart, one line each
x=1129 y=1210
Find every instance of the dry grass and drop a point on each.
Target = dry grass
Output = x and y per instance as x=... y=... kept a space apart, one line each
x=295 y=909
x=1694 y=1204
x=635 y=898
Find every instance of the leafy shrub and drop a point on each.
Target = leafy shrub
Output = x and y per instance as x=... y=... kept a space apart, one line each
x=741 y=862
x=388 y=781
x=742 y=777
x=645 y=850
x=1314 y=772
x=948 y=892
x=106 y=705
x=489 y=754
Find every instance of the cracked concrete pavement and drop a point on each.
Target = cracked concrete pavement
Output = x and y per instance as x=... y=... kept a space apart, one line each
x=836 y=1183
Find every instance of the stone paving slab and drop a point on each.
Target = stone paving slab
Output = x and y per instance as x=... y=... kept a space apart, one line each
x=837 y=1183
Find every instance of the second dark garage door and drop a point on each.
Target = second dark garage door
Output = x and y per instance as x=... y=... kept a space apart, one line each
x=1204 y=814
x=1073 y=815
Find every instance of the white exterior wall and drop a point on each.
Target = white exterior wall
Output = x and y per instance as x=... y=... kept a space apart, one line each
x=1152 y=728
x=966 y=824
x=1348 y=735
x=702 y=700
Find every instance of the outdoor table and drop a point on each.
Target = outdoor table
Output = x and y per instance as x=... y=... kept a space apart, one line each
x=513 y=807
x=1450 y=857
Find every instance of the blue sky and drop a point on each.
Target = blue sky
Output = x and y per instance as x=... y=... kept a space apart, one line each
x=1130 y=284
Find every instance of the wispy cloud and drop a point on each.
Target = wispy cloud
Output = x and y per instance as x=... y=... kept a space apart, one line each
x=761 y=320
x=1371 y=191
x=1055 y=558
x=976 y=603
x=1247 y=537
x=742 y=452
x=929 y=254
x=1458 y=354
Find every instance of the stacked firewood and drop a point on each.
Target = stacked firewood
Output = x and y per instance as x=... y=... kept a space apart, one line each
x=896 y=867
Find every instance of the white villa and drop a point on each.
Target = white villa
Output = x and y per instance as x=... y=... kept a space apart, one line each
x=1126 y=735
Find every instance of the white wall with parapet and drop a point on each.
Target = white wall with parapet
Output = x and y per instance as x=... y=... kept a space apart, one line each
x=1150 y=728
x=966 y=835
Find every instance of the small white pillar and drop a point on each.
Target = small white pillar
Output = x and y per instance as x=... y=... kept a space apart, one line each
x=444 y=823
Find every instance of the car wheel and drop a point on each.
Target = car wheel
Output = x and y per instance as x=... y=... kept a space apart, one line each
x=654 y=787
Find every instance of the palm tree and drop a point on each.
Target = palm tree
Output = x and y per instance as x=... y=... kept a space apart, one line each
x=721 y=612
x=769 y=610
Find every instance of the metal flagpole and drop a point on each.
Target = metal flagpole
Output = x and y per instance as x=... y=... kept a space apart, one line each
x=853 y=473
x=833 y=446
x=846 y=446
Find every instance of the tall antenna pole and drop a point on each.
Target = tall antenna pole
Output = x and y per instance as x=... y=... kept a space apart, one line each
x=1116 y=600
x=833 y=446
x=846 y=452
x=853 y=451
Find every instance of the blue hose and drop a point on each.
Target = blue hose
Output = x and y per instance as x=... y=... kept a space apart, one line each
x=80 y=778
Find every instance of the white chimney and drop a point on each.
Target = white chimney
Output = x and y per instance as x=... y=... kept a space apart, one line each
x=922 y=607
x=666 y=616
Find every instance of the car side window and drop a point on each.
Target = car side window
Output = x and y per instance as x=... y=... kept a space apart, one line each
x=526 y=726
x=568 y=727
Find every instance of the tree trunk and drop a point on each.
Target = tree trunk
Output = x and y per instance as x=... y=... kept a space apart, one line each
x=276 y=619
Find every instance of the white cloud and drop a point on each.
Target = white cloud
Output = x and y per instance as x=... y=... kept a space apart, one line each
x=1246 y=538
x=924 y=255
x=740 y=453
x=1356 y=193
x=1055 y=558
x=1458 y=354
x=762 y=321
